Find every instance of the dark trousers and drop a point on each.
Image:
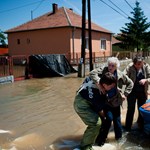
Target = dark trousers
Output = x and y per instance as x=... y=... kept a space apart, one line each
x=112 y=114
x=141 y=98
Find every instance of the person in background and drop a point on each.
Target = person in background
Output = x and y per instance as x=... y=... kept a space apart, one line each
x=112 y=111
x=139 y=72
x=89 y=103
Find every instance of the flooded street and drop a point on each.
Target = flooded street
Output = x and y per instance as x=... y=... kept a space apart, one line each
x=38 y=114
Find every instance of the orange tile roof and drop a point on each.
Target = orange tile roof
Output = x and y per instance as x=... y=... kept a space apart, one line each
x=114 y=40
x=61 y=18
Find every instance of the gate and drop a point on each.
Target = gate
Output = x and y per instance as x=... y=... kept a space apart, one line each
x=13 y=65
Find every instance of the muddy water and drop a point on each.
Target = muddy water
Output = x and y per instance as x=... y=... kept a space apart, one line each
x=38 y=114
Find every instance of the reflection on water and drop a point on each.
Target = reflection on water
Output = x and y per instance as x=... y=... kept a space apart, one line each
x=38 y=114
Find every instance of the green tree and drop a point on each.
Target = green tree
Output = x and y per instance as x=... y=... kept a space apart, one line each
x=133 y=36
x=2 y=38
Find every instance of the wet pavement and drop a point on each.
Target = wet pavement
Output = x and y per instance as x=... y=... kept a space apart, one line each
x=38 y=114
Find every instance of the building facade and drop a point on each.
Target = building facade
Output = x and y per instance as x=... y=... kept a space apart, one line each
x=57 y=32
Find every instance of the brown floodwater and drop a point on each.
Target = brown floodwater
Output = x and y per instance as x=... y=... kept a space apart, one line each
x=38 y=114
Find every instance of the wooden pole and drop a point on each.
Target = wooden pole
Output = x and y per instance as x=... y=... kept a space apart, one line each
x=90 y=36
x=81 y=66
x=83 y=30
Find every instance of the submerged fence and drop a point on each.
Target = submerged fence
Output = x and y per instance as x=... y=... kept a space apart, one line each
x=14 y=65
x=18 y=65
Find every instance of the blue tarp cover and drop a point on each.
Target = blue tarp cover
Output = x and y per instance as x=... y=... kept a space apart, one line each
x=145 y=112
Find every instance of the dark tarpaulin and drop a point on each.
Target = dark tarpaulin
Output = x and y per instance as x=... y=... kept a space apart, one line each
x=49 y=65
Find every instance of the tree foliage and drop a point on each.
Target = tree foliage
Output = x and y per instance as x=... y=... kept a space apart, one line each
x=135 y=35
x=2 y=38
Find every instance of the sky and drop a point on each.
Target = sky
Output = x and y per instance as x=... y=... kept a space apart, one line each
x=109 y=14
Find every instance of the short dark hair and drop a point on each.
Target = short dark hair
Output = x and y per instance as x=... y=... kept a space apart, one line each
x=108 y=78
x=137 y=59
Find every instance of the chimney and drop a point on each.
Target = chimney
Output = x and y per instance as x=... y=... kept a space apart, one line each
x=55 y=8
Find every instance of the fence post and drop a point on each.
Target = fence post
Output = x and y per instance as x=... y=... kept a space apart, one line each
x=4 y=65
x=77 y=59
x=94 y=59
x=27 y=68
x=10 y=62
x=81 y=68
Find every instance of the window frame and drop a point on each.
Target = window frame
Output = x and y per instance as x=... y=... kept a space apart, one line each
x=103 y=43
x=18 y=41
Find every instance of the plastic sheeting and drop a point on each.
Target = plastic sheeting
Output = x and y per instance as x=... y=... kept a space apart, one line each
x=145 y=112
x=49 y=65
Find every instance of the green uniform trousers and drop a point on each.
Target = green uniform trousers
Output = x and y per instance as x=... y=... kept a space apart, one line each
x=91 y=118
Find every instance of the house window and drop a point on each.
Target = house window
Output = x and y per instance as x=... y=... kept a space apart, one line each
x=103 y=44
x=18 y=41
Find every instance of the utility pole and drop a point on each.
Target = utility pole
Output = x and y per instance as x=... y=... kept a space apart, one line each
x=83 y=29
x=31 y=15
x=81 y=66
x=90 y=36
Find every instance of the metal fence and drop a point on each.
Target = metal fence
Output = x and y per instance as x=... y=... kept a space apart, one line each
x=4 y=66
x=18 y=65
x=14 y=65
